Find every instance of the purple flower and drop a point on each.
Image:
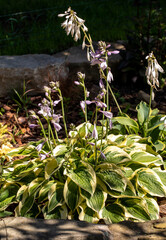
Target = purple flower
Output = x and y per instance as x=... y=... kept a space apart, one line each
x=107 y=114
x=95 y=133
x=32 y=125
x=103 y=64
x=45 y=111
x=113 y=52
x=82 y=104
x=102 y=155
x=40 y=146
x=56 y=102
x=77 y=83
x=56 y=125
x=101 y=84
x=110 y=124
x=109 y=76
x=44 y=156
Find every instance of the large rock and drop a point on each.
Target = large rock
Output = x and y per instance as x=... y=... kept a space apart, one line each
x=36 y=69
x=39 y=69
x=21 y=228
x=31 y=229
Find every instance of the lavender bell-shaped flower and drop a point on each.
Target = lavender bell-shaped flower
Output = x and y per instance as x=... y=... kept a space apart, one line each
x=95 y=133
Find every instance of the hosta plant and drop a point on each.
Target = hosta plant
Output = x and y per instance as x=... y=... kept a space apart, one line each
x=109 y=170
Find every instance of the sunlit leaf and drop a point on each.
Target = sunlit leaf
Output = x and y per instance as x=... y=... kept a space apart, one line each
x=71 y=194
x=84 y=176
x=112 y=213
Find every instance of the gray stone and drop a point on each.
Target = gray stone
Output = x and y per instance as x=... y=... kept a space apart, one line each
x=37 y=69
x=145 y=97
x=21 y=228
x=37 y=229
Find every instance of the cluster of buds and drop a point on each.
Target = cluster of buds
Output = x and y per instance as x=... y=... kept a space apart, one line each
x=73 y=23
x=152 y=71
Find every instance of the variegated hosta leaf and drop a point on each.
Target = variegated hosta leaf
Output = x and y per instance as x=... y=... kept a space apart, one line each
x=135 y=208
x=143 y=112
x=43 y=193
x=59 y=150
x=149 y=181
x=145 y=158
x=153 y=208
x=59 y=212
x=34 y=185
x=26 y=203
x=112 y=213
x=116 y=155
x=83 y=129
x=7 y=195
x=50 y=167
x=55 y=196
x=127 y=121
x=71 y=194
x=161 y=174
x=112 y=176
x=84 y=176
x=87 y=214
x=97 y=200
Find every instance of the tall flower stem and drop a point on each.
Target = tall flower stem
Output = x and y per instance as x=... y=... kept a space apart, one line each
x=43 y=131
x=63 y=115
x=117 y=104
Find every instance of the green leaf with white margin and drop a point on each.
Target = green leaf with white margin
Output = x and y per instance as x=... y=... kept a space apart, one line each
x=97 y=200
x=26 y=203
x=43 y=193
x=126 y=121
x=59 y=150
x=71 y=194
x=161 y=174
x=153 y=207
x=112 y=176
x=87 y=214
x=142 y=112
x=116 y=155
x=84 y=176
x=55 y=196
x=34 y=185
x=112 y=213
x=5 y=214
x=135 y=208
x=145 y=158
x=59 y=212
x=84 y=128
x=151 y=182
x=50 y=167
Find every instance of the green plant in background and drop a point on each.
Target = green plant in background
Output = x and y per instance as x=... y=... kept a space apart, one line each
x=21 y=99
x=112 y=169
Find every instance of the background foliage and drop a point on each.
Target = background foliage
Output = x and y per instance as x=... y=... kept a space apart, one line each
x=35 y=27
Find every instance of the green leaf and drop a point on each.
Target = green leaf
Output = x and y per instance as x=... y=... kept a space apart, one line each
x=59 y=212
x=97 y=200
x=26 y=203
x=153 y=207
x=34 y=185
x=145 y=157
x=161 y=174
x=5 y=203
x=116 y=155
x=5 y=214
x=143 y=112
x=84 y=176
x=87 y=214
x=59 y=150
x=112 y=213
x=43 y=193
x=136 y=209
x=51 y=165
x=126 y=121
x=151 y=183
x=71 y=194
x=112 y=176
x=55 y=196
